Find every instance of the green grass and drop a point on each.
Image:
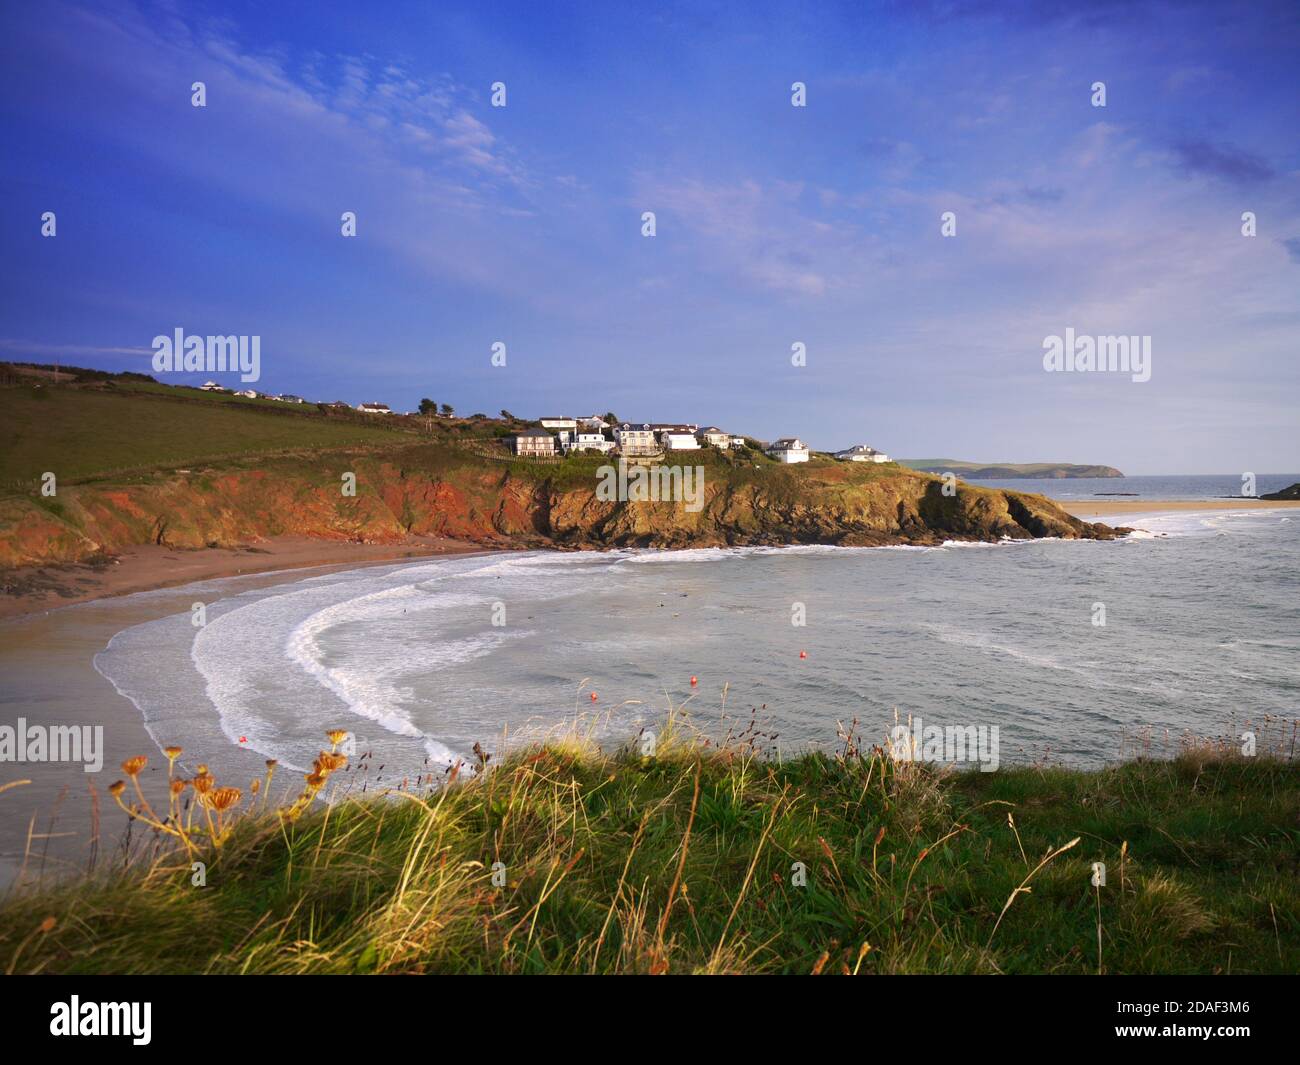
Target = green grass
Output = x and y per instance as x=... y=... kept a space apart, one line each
x=82 y=433
x=683 y=862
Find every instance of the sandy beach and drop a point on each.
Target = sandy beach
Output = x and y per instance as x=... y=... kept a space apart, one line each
x=1109 y=508
x=53 y=819
x=37 y=589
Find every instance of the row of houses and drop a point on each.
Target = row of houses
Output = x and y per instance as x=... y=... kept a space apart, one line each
x=248 y=393
x=560 y=435
x=792 y=449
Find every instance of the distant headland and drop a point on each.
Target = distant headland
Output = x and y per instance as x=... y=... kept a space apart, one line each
x=976 y=471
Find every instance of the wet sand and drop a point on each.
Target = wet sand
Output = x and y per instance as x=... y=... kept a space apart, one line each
x=1093 y=510
x=37 y=589
x=63 y=818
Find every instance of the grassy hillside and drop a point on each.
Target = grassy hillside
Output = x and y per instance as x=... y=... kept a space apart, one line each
x=80 y=433
x=1006 y=470
x=686 y=862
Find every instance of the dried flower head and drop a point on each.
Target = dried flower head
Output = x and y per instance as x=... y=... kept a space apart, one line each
x=117 y=787
x=178 y=785
x=315 y=781
x=132 y=766
x=204 y=783
x=336 y=736
x=329 y=761
x=271 y=763
x=225 y=798
x=173 y=752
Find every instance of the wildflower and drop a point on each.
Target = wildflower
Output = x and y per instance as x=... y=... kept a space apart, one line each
x=132 y=766
x=225 y=798
x=177 y=786
x=116 y=788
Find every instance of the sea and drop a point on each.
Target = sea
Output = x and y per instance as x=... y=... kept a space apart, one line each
x=1077 y=652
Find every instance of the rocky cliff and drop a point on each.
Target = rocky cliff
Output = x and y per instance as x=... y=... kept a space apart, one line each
x=439 y=490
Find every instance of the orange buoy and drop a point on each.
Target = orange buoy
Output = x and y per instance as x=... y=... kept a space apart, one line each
x=803 y=654
x=593 y=697
x=694 y=681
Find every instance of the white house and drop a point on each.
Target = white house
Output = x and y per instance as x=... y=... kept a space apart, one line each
x=212 y=386
x=713 y=436
x=374 y=408
x=248 y=393
x=634 y=439
x=789 y=449
x=678 y=440
x=592 y=441
x=861 y=453
x=564 y=428
x=676 y=437
x=287 y=398
x=593 y=423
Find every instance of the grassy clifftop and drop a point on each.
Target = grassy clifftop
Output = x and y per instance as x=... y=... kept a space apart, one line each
x=189 y=471
x=567 y=859
x=440 y=489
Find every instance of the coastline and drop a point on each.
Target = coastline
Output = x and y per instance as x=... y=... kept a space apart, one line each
x=151 y=567
x=39 y=589
x=1088 y=510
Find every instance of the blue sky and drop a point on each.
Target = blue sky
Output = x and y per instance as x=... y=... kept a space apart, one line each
x=775 y=224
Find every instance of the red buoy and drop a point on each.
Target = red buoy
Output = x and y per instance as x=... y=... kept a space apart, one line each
x=694 y=681
x=593 y=697
x=803 y=654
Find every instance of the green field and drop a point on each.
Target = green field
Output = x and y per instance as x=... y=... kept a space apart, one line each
x=704 y=860
x=81 y=433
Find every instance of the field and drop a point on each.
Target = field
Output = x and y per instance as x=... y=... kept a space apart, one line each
x=83 y=433
x=702 y=859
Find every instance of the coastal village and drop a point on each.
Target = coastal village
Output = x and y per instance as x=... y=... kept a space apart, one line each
x=561 y=435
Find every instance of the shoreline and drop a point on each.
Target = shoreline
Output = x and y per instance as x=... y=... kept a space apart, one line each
x=1088 y=509
x=151 y=567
